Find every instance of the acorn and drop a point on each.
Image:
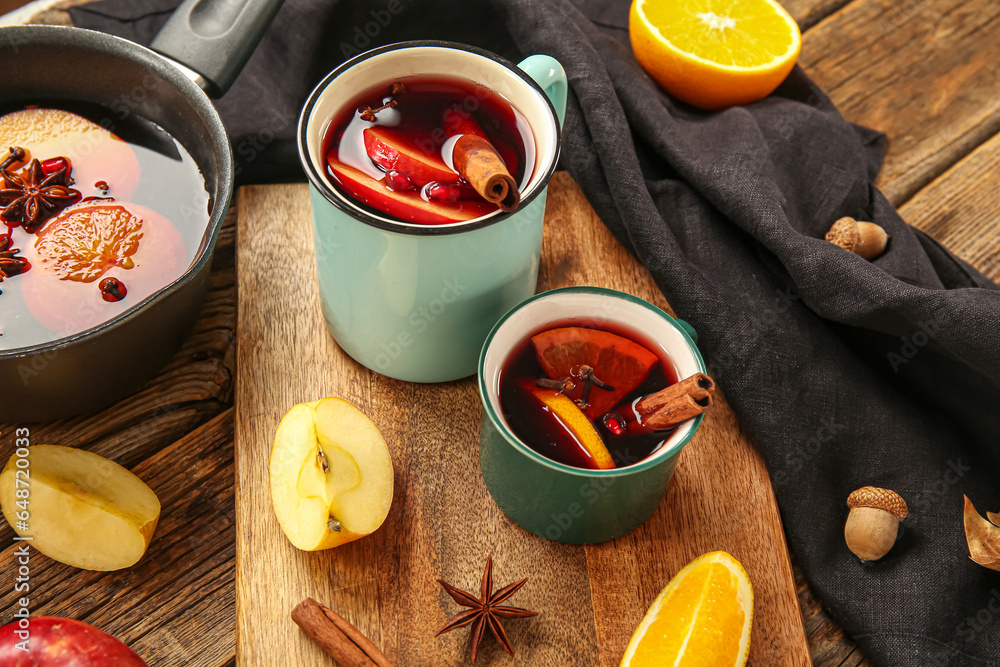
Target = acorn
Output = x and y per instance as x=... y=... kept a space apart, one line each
x=873 y=524
x=862 y=238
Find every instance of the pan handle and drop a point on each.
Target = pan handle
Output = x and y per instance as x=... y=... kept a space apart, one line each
x=214 y=38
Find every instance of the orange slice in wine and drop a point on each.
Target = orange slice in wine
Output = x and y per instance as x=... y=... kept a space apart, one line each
x=84 y=243
x=89 y=242
x=589 y=451
x=616 y=361
x=95 y=153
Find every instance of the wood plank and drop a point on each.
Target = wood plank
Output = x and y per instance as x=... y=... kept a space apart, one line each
x=443 y=522
x=176 y=607
x=808 y=13
x=961 y=209
x=925 y=72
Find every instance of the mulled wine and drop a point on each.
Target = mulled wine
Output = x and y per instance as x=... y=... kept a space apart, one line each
x=564 y=390
x=430 y=150
x=92 y=221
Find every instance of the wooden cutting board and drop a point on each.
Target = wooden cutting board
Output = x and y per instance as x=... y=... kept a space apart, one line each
x=443 y=523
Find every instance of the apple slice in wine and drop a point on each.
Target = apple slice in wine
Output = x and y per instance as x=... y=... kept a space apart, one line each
x=392 y=151
x=408 y=206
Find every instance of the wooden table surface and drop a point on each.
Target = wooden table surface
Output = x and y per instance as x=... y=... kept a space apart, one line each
x=443 y=522
x=924 y=72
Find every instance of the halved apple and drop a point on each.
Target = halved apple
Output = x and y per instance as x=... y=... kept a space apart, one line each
x=591 y=452
x=331 y=474
x=81 y=509
x=391 y=150
x=407 y=206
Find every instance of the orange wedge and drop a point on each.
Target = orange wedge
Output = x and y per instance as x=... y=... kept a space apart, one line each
x=616 y=361
x=701 y=619
x=591 y=452
x=715 y=53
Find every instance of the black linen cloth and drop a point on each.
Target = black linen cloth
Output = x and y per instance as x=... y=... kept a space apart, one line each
x=846 y=372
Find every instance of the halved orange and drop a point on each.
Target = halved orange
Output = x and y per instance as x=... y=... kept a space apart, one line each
x=701 y=619
x=96 y=153
x=715 y=53
x=91 y=241
x=616 y=361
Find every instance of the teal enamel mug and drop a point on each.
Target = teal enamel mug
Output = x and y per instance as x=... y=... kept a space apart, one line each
x=561 y=502
x=412 y=301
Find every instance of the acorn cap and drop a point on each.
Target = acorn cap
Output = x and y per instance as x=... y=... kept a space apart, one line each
x=883 y=499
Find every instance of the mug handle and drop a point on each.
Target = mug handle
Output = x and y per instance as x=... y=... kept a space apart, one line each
x=688 y=329
x=551 y=76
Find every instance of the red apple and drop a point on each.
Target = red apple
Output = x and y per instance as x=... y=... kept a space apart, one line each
x=62 y=642
x=408 y=206
x=393 y=151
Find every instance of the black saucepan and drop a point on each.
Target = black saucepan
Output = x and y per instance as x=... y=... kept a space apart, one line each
x=203 y=47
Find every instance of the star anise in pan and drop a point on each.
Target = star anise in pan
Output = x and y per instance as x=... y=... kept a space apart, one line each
x=32 y=197
x=485 y=611
x=10 y=263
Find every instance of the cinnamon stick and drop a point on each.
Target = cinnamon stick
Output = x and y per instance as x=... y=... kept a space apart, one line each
x=679 y=402
x=477 y=160
x=336 y=636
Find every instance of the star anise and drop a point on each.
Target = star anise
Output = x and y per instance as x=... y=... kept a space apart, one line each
x=10 y=263
x=485 y=611
x=32 y=197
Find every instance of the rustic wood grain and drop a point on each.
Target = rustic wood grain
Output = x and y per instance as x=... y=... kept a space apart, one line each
x=808 y=13
x=443 y=522
x=161 y=606
x=961 y=209
x=925 y=72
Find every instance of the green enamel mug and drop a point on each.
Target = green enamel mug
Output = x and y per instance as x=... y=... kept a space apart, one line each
x=561 y=502
x=415 y=302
